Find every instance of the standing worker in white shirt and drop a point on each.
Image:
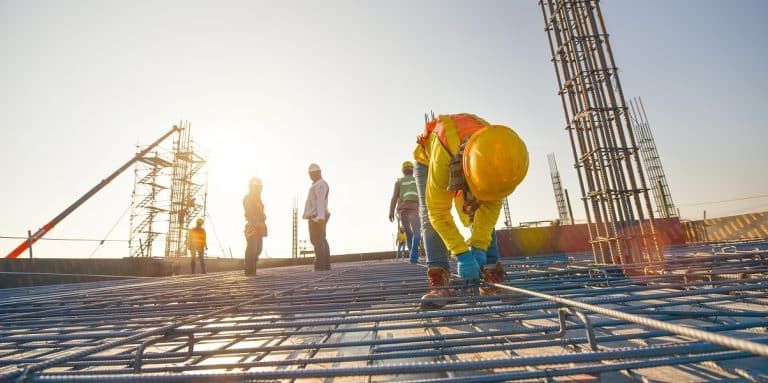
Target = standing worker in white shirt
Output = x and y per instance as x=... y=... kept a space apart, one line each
x=316 y=213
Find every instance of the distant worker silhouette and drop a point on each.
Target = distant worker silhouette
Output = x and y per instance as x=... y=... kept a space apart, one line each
x=197 y=245
x=255 y=225
x=405 y=198
x=316 y=213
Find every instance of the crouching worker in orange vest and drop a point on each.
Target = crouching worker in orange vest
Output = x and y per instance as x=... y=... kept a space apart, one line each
x=463 y=160
x=197 y=245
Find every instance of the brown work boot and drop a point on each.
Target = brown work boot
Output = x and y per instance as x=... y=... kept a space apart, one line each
x=492 y=274
x=440 y=292
x=496 y=274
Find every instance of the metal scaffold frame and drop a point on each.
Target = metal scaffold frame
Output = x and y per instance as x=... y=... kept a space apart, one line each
x=149 y=206
x=188 y=191
x=651 y=160
x=561 y=317
x=613 y=187
x=557 y=186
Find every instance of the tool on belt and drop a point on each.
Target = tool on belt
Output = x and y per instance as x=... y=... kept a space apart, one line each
x=457 y=183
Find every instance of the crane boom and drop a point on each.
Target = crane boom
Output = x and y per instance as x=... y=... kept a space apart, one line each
x=50 y=225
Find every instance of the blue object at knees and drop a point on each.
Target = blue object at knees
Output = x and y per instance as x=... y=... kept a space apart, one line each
x=468 y=267
x=480 y=256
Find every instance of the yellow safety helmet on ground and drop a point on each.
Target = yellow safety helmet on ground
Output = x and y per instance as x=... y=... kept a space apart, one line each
x=407 y=165
x=199 y=222
x=495 y=161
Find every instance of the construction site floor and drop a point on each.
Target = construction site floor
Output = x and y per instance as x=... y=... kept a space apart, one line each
x=361 y=322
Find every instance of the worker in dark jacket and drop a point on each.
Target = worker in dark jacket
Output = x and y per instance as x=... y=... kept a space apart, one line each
x=405 y=198
x=255 y=226
x=196 y=243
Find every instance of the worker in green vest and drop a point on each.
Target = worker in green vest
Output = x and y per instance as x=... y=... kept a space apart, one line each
x=405 y=200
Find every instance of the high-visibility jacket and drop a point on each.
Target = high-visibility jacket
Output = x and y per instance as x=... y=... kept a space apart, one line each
x=408 y=190
x=401 y=238
x=196 y=239
x=440 y=141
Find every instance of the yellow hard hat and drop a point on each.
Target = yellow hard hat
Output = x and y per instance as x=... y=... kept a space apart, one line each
x=495 y=161
x=407 y=165
x=199 y=222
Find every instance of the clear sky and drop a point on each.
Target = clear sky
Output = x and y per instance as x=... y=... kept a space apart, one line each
x=272 y=86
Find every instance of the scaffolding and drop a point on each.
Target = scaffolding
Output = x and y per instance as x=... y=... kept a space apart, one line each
x=613 y=186
x=703 y=318
x=187 y=199
x=651 y=160
x=149 y=206
x=557 y=186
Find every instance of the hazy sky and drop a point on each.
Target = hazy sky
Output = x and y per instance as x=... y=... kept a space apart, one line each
x=272 y=86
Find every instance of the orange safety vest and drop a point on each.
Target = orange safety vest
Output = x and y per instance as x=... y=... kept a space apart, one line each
x=464 y=124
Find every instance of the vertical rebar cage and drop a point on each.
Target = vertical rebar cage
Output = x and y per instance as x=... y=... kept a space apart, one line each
x=613 y=186
x=557 y=186
x=652 y=160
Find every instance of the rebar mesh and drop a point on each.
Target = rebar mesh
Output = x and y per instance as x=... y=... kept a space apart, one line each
x=361 y=321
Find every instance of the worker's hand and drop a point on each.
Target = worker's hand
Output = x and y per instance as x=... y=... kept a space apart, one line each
x=469 y=269
x=391 y=218
x=318 y=220
x=480 y=256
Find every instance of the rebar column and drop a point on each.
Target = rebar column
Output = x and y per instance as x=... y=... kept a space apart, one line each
x=651 y=159
x=557 y=186
x=612 y=182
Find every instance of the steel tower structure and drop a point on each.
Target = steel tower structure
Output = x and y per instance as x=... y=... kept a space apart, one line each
x=557 y=186
x=651 y=160
x=187 y=192
x=611 y=178
x=149 y=206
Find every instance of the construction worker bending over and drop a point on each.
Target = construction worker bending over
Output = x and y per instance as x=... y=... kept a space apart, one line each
x=255 y=225
x=316 y=213
x=463 y=160
x=197 y=245
x=406 y=198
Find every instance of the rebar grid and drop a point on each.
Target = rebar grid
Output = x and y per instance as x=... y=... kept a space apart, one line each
x=612 y=182
x=361 y=320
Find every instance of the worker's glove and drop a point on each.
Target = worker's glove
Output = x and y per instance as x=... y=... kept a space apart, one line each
x=480 y=256
x=468 y=267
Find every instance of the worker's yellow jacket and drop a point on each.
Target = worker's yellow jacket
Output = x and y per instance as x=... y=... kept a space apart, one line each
x=196 y=238
x=440 y=141
x=401 y=238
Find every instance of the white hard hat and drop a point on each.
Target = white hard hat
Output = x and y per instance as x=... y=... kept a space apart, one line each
x=314 y=168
